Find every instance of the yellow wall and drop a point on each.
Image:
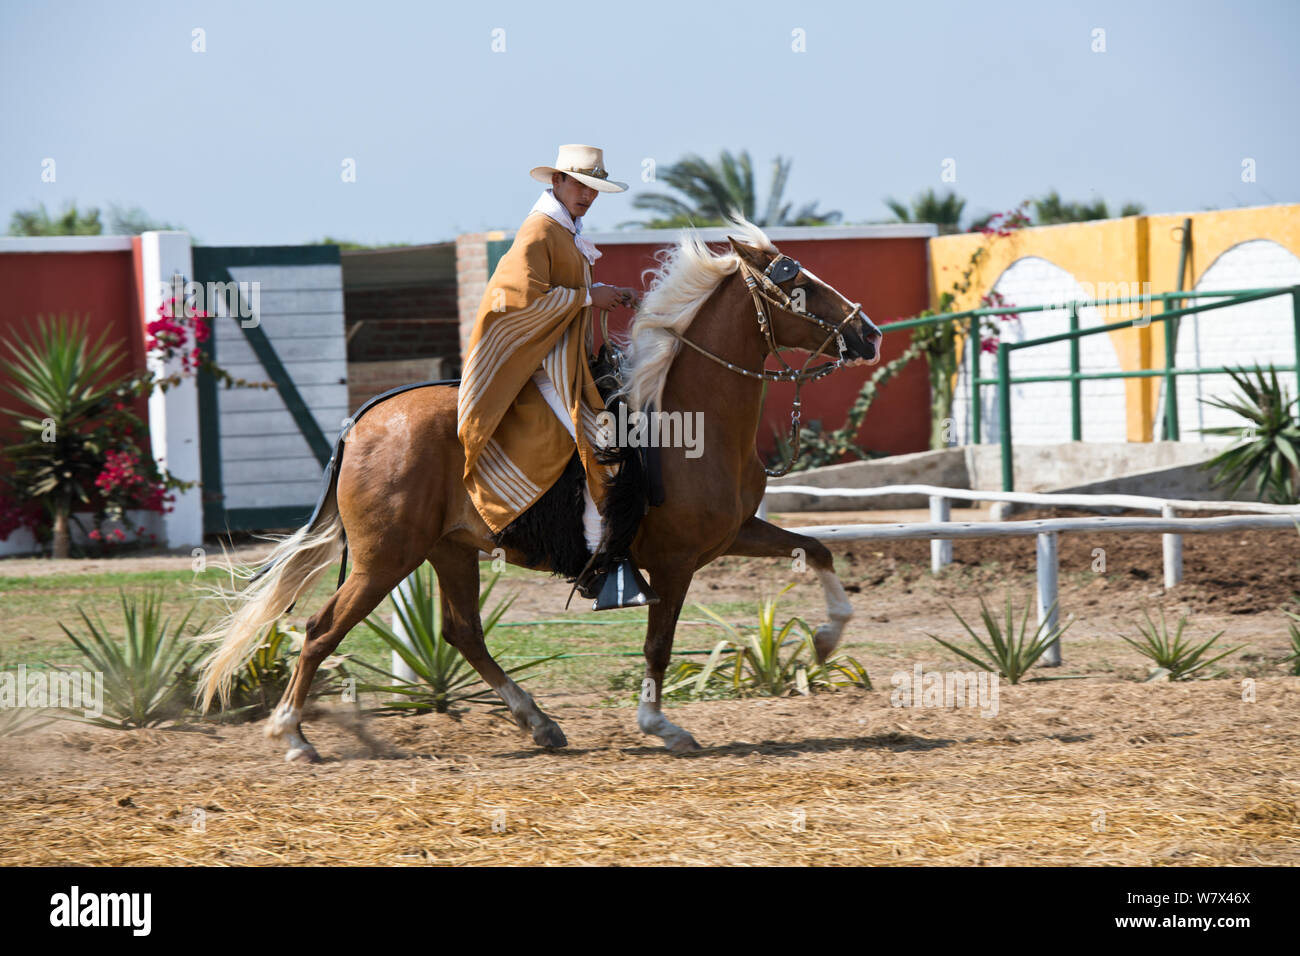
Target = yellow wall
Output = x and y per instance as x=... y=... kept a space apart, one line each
x=1134 y=250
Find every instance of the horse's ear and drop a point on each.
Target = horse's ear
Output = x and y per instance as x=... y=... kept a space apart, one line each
x=744 y=249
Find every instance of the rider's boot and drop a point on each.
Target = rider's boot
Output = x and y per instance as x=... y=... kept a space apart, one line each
x=617 y=583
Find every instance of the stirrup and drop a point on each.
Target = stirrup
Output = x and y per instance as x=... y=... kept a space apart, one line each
x=622 y=586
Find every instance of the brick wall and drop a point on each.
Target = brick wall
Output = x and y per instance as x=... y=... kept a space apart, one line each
x=471 y=278
x=1040 y=411
x=403 y=323
x=1241 y=335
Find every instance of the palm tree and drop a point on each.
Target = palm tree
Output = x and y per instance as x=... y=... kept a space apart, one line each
x=944 y=211
x=1051 y=209
x=710 y=191
x=37 y=222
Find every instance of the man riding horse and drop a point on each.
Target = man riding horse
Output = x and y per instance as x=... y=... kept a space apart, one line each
x=528 y=398
x=441 y=472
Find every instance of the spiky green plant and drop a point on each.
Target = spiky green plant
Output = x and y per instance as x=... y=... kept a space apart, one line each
x=16 y=721
x=1007 y=652
x=766 y=661
x=258 y=687
x=1294 y=658
x=148 y=674
x=66 y=386
x=443 y=676
x=1183 y=659
x=1268 y=448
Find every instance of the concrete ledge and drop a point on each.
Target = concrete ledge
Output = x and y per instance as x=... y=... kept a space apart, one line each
x=1158 y=469
x=946 y=467
x=1189 y=482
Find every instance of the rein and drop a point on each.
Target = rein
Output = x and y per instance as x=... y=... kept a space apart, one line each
x=766 y=293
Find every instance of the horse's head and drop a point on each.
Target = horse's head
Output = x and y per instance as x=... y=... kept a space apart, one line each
x=807 y=313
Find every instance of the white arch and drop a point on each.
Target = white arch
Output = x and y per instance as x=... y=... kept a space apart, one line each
x=1040 y=412
x=1260 y=331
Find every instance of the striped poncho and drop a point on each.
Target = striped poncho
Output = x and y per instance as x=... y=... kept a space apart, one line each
x=532 y=315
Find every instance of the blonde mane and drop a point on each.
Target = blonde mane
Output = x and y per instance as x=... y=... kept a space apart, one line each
x=686 y=276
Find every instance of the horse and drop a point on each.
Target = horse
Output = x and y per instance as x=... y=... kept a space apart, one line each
x=699 y=343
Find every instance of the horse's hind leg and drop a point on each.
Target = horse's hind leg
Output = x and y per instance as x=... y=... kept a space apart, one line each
x=759 y=539
x=458 y=580
x=347 y=607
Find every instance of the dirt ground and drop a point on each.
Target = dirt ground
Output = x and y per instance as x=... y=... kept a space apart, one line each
x=1066 y=773
x=1104 y=769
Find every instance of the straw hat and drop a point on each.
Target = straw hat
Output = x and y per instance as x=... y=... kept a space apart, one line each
x=585 y=164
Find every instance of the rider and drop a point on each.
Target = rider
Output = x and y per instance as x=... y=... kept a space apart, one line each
x=527 y=395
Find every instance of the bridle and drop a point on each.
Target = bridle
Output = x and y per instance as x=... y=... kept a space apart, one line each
x=765 y=290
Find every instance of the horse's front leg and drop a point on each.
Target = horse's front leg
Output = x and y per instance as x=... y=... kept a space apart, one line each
x=671 y=584
x=759 y=539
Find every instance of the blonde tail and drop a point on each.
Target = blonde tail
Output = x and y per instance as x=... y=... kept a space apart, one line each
x=289 y=570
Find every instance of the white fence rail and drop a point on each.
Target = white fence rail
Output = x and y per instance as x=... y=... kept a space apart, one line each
x=941 y=531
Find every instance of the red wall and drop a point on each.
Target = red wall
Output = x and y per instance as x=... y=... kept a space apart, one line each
x=888 y=276
x=101 y=287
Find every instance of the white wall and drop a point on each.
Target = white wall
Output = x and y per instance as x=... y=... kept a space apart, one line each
x=1258 y=331
x=1040 y=412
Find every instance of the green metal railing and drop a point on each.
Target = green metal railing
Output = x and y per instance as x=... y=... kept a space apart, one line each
x=1076 y=376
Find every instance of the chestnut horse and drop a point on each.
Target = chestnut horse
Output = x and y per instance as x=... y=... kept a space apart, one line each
x=398 y=497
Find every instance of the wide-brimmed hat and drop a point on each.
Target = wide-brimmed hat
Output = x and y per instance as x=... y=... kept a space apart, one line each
x=585 y=164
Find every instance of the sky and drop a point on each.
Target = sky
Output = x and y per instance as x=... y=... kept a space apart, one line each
x=441 y=109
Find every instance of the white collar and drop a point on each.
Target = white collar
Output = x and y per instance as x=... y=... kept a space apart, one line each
x=552 y=208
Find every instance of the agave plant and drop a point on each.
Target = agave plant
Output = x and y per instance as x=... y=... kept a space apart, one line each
x=770 y=660
x=66 y=384
x=16 y=721
x=443 y=676
x=1294 y=658
x=1184 y=660
x=260 y=685
x=148 y=675
x=1007 y=652
x=1268 y=448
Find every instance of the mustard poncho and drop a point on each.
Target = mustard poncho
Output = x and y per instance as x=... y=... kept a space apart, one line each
x=532 y=315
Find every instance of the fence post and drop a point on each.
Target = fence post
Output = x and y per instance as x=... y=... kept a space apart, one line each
x=1049 y=609
x=1004 y=414
x=1172 y=545
x=1076 y=386
x=940 y=549
x=1171 y=380
x=976 y=346
x=1295 y=315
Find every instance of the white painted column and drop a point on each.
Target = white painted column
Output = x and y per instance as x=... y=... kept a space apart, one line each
x=1173 y=550
x=940 y=550
x=404 y=590
x=174 y=414
x=1049 y=608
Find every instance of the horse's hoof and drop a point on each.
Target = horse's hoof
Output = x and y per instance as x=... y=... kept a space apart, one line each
x=683 y=743
x=305 y=754
x=825 y=639
x=550 y=735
